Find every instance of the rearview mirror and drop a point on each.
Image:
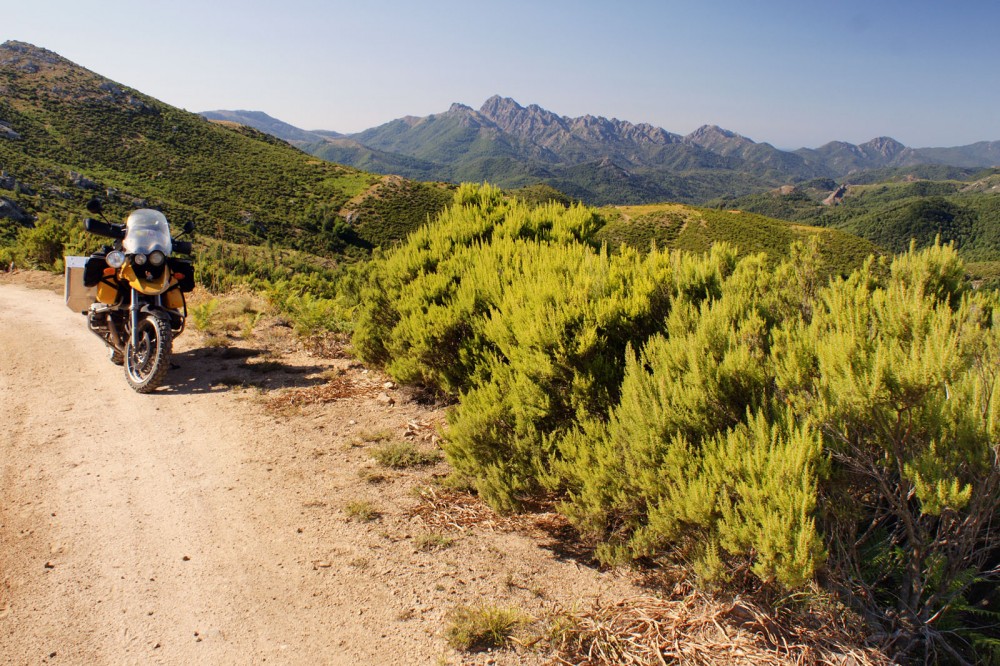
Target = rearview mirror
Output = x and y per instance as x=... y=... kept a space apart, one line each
x=188 y=227
x=94 y=207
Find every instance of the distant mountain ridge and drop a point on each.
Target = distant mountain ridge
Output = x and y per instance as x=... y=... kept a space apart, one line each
x=597 y=159
x=265 y=123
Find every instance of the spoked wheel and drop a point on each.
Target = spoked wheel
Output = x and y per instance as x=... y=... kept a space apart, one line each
x=147 y=362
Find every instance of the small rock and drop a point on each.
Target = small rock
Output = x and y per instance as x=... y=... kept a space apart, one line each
x=186 y=558
x=50 y=565
x=388 y=386
x=385 y=399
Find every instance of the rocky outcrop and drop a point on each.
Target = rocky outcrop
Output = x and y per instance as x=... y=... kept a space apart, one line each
x=11 y=211
x=28 y=58
x=81 y=181
x=7 y=132
x=836 y=196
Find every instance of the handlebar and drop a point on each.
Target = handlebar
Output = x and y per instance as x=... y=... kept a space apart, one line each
x=117 y=232
x=100 y=228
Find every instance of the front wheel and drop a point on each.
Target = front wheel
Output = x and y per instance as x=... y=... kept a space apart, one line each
x=146 y=362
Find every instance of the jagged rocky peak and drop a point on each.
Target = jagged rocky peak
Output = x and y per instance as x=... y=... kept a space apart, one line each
x=537 y=124
x=456 y=107
x=527 y=122
x=498 y=106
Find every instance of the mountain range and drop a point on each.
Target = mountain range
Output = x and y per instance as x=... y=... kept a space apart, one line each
x=595 y=159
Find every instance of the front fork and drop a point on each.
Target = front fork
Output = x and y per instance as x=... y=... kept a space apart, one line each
x=134 y=318
x=134 y=315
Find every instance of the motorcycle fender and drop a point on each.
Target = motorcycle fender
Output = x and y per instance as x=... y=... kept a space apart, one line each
x=144 y=287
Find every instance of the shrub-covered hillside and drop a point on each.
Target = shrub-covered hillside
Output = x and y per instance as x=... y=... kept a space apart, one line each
x=681 y=227
x=67 y=134
x=740 y=415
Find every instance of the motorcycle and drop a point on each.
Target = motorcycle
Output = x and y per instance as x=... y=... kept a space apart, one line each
x=135 y=290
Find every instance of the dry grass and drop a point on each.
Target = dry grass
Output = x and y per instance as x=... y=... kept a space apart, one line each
x=237 y=312
x=371 y=476
x=697 y=630
x=443 y=509
x=688 y=629
x=340 y=388
x=432 y=541
x=362 y=511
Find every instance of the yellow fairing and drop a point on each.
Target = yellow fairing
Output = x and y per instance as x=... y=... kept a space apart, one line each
x=145 y=287
x=173 y=299
x=106 y=293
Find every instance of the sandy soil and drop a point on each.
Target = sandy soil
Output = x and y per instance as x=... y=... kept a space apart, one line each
x=208 y=522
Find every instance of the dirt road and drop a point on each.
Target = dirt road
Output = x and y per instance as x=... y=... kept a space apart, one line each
x=207 y=524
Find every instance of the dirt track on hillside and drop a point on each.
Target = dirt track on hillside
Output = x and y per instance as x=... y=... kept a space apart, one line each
x=206 y=523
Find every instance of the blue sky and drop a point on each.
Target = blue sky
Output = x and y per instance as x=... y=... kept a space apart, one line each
x=792 y=73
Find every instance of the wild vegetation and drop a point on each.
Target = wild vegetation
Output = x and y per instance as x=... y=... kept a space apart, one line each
x=741 y=414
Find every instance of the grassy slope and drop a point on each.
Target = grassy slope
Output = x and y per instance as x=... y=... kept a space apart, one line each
x=234 y=182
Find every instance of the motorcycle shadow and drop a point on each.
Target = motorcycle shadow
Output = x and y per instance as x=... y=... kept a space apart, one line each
x=220 y=369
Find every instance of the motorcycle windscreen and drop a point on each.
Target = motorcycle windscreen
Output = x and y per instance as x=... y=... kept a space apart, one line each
x=147 y=231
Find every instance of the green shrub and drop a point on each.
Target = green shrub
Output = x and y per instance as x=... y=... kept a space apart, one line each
x=855 y=427
x=689 y=459
x=203 y=313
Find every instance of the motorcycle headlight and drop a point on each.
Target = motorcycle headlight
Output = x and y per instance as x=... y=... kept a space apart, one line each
x=115 y=259
x=139 y=259
x=156 y=258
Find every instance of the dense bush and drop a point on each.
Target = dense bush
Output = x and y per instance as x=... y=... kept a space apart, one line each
x=43 y=245
x=739 y=414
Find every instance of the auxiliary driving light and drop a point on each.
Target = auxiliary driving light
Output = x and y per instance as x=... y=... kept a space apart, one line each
x=156 y=258
x=139 y=259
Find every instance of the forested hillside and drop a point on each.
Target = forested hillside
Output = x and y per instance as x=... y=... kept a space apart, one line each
x=892 y=208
